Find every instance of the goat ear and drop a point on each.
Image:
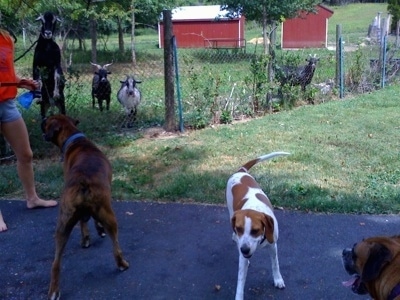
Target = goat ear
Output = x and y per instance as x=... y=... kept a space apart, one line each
x=40 y=18
x=122 y=81
x=108 y=72
x=138 y=81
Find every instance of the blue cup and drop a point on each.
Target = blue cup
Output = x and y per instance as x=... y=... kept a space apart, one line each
x=25 y=99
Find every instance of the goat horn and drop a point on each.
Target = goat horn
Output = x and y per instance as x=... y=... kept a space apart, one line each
x=107 y=65
x=96 y=65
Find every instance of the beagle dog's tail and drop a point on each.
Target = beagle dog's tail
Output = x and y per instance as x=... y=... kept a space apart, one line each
x=247 y=166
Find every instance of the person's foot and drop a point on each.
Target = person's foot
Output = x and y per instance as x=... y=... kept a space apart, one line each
x=36 y=203
x=3 y=226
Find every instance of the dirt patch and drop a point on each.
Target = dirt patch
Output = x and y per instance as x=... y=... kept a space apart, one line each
x=160 y=133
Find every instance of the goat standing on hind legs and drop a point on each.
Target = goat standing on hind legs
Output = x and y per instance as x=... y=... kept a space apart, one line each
x=47 y=67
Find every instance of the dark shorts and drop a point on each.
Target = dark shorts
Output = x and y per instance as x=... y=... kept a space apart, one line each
x=9 y=111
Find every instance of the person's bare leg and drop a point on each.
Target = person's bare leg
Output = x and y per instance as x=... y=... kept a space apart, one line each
x=16 y=134
x=3 y=226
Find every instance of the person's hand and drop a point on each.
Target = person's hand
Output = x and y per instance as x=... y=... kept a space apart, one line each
x=37 y=94
x=28 y=84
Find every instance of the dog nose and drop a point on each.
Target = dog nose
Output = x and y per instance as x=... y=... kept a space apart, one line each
x=245 y=250
x=346 y=252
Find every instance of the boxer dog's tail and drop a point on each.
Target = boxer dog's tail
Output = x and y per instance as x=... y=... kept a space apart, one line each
x=247 y=166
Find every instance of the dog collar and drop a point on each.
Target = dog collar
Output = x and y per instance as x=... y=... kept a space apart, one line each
x=394 y=293
x=71 y=139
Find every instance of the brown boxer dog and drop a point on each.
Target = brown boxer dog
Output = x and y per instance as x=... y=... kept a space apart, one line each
x=374 y=264
x=87 y=192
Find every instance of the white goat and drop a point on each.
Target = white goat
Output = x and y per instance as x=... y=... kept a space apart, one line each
x=129 y=96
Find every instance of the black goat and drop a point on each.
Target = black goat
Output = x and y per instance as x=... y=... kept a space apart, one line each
x=101 y=87
x=297 y=75
x=47 y=66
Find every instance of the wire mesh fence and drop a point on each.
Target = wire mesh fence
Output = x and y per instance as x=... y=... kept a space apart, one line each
x=216 y=85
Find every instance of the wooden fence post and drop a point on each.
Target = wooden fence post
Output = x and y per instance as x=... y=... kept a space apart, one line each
x=170 y=122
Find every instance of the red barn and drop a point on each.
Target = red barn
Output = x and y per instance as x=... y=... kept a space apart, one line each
x=307 y=30
x=204 y=27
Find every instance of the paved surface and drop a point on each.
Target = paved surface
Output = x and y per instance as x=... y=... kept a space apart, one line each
x=180 y=251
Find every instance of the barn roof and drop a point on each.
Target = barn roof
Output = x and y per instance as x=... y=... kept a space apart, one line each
x=200 y=12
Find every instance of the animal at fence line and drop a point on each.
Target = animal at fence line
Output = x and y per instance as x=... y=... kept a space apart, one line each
x=86 y=193
x=374 y=266
x=47 y=66
x=101 y=87
x=253 y=221
x=129 y=96
x=293 y=75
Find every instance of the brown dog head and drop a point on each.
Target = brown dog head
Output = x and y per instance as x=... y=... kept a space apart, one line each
x=58 y=128
x=252 y=228
x=374 y=264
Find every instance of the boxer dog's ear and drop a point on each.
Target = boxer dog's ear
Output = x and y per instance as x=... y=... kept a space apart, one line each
x=52 y=130
x=74 y=121
x=268 y=223
x=378 y=258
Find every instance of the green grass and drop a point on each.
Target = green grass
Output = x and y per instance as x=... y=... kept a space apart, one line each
x=355 y=17
x=345 y=158
x=354 y=20
x=345 y=154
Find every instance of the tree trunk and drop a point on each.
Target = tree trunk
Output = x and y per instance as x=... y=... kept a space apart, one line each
x=93 y=35
x=133 y=34
x=271 y=61
x=264 y=27
x=121 y=45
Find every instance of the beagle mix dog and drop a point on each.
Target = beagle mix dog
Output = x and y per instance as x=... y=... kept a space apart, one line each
x=253 y=221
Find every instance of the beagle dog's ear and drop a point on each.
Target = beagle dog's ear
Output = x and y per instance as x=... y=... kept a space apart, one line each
x=233 y=222
x=379 y=257
x=268 y=223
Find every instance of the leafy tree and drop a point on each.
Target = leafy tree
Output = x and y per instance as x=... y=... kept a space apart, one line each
x=148 y=12
x=268 y=12
x=394 y=9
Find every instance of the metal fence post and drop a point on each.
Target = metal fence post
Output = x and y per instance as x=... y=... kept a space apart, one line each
x=338 y=35
x=383 y=64
x=178 y=86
